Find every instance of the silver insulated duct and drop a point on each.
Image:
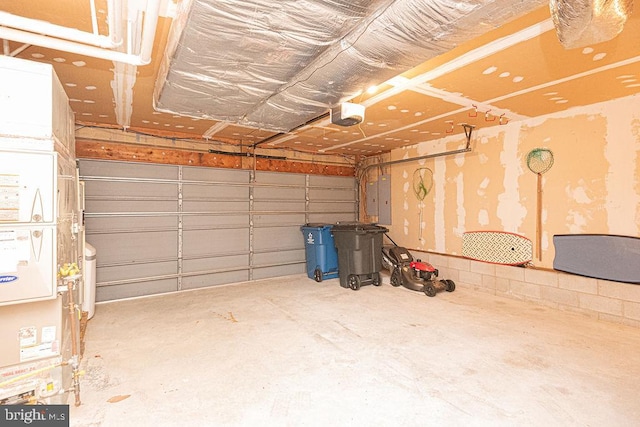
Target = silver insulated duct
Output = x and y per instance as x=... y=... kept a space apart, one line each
x=274 y=65
x=581 y=23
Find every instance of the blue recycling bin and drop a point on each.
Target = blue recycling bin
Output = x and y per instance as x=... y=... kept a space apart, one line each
x=320 y=252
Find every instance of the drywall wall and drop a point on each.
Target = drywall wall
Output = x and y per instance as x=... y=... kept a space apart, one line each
x=592 y=187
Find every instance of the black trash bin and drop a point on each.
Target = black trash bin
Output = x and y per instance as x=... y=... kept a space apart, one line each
x=359 y=248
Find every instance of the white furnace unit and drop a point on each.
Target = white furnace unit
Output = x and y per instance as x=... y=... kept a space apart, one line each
x=40 y=232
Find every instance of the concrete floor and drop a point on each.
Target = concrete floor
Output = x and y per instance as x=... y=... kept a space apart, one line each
x=293 y=352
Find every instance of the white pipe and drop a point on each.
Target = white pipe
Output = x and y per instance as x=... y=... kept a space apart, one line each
x=17 y=50
x=114 y=8
x=94 y=18
x=149 y=30
x=69 y=46
x=129 y=37
x=46 y=28
x=146 y=45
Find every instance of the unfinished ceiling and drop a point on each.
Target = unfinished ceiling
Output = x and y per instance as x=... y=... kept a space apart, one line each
x=266 y=73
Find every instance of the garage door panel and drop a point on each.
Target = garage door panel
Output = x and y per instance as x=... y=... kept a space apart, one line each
x=105 y=224
x=276 y=238
x=195 y=173
x=101 y=168
x=279 y=193
x=297 y=179
x=269 y=258
x=331 y=194
x=108 y=293
x=206 y=280
x=215 y=221
x=205 y=226
x=128 y=206
x=134 y=247
x=209 y=242
x=285 y=270
x=332 y=207
x=131 y=189
x=332 y=181
x=214 y=206
x=215 y=263
x=216 y=192
x=279 y=206
x=135 y=271
x=261 y=220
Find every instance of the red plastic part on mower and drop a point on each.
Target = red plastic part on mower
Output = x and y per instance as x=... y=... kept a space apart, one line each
x=422 y=266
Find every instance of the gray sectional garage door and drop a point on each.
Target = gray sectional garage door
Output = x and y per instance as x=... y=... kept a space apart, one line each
x=163 y=228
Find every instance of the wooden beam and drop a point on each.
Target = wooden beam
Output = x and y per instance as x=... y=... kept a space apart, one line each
x=86 y=149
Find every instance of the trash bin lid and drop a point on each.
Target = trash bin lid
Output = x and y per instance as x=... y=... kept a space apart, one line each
x=360 y=227
x=89 y=251
x=316 y=226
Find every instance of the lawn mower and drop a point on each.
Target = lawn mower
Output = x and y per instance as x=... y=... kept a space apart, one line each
x=413 y=274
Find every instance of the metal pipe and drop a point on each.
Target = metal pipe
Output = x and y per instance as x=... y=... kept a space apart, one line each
x=412 y=159
x=467 y=129
x=75 y=354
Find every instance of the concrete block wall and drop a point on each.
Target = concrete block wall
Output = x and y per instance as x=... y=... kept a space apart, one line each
x=601 y=299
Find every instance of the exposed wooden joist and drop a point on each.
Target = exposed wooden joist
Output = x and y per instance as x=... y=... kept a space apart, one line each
x=132 y=153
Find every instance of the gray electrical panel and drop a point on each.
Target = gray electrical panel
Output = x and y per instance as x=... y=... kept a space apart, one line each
x=384 y=199
x=372 y=198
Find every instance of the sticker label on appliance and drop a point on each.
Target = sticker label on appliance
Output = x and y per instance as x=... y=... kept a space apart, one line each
x=14 y=247
x=9 y=197
x=28 y=336
x=46 y=349
x=310 y=239
x=48 y=334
